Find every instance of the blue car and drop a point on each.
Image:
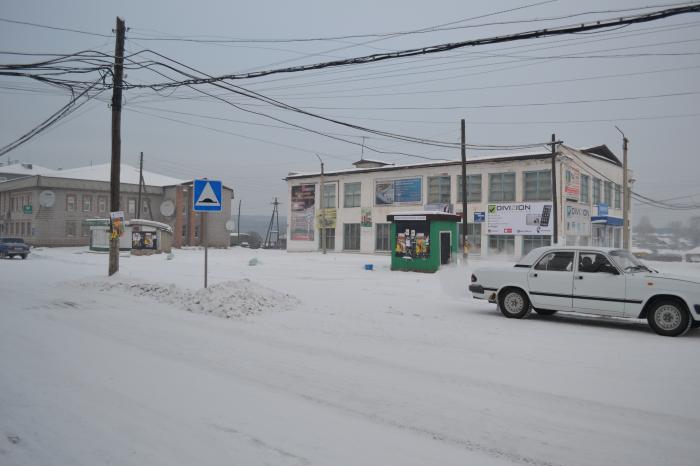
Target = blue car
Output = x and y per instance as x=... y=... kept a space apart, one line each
x=11 y=247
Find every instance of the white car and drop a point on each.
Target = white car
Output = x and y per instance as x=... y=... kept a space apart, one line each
x=590 y=280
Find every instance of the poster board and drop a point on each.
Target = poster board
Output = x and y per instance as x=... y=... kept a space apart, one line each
x=519 y=218
x=303 y=209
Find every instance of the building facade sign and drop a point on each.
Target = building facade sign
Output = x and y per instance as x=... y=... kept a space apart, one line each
x=302 y=221
x=572 y=183
x=519 y=218
x=577 y=219
x=401 y=191
x=366 y=217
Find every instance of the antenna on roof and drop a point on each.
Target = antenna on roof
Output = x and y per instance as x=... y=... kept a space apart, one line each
x=362 y=155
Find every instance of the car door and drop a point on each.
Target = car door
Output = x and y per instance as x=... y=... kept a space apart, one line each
x=599 y=287
x=550 y=281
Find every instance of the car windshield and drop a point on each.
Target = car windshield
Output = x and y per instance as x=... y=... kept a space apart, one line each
x=627 y=261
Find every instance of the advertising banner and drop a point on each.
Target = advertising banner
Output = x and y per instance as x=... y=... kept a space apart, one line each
x=302 y=221
x=366 y=217
x=330 y=216
x=572 y=183
x=116 y=224
x=577 y=219
x=519 y=218
x=402 y=191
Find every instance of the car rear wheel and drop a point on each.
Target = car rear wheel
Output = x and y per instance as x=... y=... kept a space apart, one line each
x=545 y=312
x=669 y=318
x=514 y=303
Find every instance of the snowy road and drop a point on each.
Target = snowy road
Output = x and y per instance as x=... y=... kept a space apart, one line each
x=371 y=368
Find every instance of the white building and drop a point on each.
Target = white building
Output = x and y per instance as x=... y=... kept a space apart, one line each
x=509 y=211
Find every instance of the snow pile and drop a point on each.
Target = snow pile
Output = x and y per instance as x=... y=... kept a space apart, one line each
x=231 y=299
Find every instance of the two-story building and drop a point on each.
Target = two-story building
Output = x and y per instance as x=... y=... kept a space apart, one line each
x=510 y=208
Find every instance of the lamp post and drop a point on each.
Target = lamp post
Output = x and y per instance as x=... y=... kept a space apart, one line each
x=321 y=216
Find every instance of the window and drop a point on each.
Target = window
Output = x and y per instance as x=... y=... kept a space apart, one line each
x=71 y=202
x=608 y=192
x=596 y=191
x=501 y=244
x=618 y=196
x=473 y=236
x=84 y=230
x=87 y=203
x=184 y=230
x=557 y=262
x=538 y=185
x=144 y=207
x=502 y=187
x=29 y=229
x=196 y=231
x=351 y=236
x=438 y=190
x=71 y=229
x=329 y=234
x=102 y=204
x=328 y=196
x=531 y=242
x=22 y=227
x=585 y=182
x=473 y=188
x=352 y=194
x=591 y=262
x=131 y=206
x=382 y=242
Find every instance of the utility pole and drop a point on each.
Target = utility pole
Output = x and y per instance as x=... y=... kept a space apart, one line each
x=322 y=212
x=555 y=203
x=138 y=208
x=465 y=236
x=271 y=226
x=116 y=139
x=238 y=227
x=625 y=193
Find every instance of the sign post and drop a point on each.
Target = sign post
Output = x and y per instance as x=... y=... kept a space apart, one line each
x=206 y=198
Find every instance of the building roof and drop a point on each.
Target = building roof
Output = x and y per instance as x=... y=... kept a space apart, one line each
x=128 y=175
x=28 y=169
x=437 y=163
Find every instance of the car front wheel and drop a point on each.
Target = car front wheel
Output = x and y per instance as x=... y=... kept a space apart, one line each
x=669 y=318
x=514 y=303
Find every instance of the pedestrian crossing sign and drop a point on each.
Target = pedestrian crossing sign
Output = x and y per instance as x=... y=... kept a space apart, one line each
x=207 y=196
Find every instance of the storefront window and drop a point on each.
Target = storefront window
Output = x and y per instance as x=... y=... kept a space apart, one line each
x=439 y=190
x=351 y=236
x=473 y=188
x=329 y=234
x=501 y=244
x=538 y=185
x=585 y=184
x=71 y=229
x=382 y=242
x=502 y=187
x=531 y=242
x=473 y=236
x=352 y=194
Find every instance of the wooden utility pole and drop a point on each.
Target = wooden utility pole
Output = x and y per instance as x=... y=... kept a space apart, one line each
x=321 y=212
x=555 y=202
x=116 y=139
x=138 y=208
x=465 y=236
x=625 y=193
x=238 y=227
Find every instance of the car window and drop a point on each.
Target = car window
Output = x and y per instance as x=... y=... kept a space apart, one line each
x=561 y=261
x=591 y=262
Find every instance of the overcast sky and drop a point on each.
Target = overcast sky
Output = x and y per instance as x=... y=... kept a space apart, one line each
x=253 y=153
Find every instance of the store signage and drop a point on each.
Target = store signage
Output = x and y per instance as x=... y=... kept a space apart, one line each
x=572 y=183
x=522 y=218
x=366 y=217
x=401 y=191
x=27 y=209
x=577 y=219
x=302 y=218
x=409 y=217
x=479 y=217
x=602 y=210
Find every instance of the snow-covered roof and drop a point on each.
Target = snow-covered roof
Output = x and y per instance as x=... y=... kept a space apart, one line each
x=435 y=163
x=694 y=251
x=129 y=175
x=28 y=169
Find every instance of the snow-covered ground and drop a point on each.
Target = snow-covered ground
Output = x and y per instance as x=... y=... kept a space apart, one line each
x=305 y=359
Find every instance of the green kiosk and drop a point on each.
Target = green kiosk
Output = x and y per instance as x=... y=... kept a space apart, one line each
x=422 y=241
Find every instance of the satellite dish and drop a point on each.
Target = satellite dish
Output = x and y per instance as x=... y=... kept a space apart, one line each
x=167 y=208
x=230 y=226
x=47 y=199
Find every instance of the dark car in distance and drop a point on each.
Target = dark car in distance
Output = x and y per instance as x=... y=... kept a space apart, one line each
x=11 y=247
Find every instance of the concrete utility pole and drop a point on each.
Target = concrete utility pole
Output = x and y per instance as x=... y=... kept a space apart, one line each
x=555 y=203
x=322 y=212
x=116 y=139
x=238 y=227
x=138 y=206
x=465 y=236
x=625 y=193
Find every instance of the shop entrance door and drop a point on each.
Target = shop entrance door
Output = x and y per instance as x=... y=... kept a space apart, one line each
x=445 y=247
